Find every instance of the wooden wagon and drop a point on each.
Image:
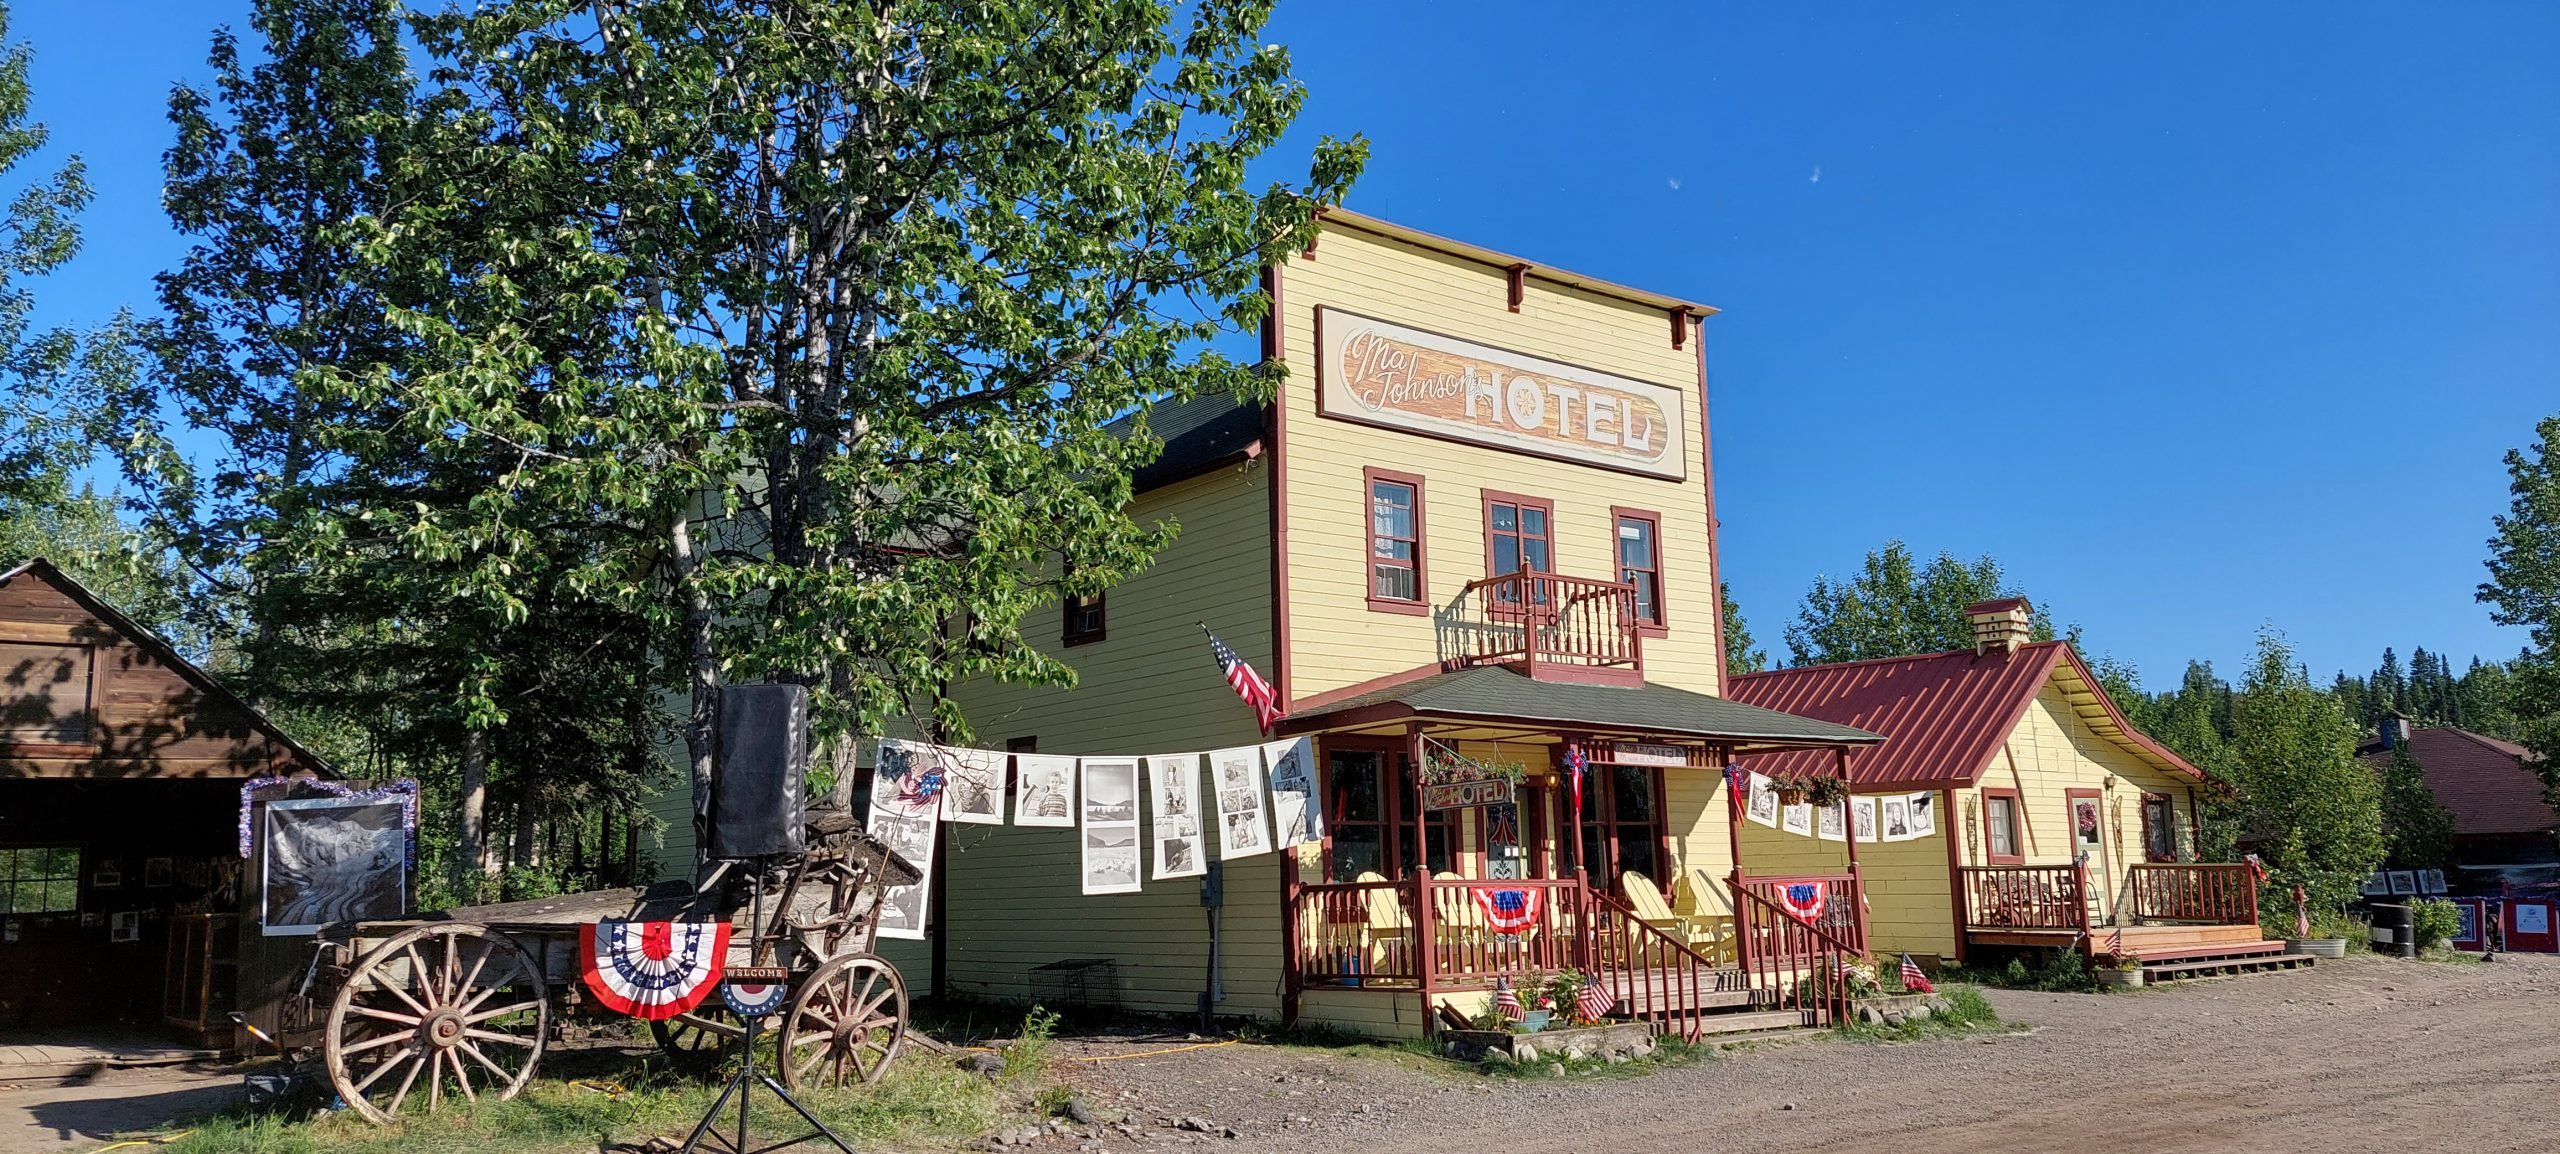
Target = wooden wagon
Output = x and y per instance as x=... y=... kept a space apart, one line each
x=463 y=1000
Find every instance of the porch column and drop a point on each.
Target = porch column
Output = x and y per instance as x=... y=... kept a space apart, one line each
x=1857 y=878
x=1733 y=880
x=1426 y=951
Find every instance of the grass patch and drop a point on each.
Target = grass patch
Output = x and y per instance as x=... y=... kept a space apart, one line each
x=2055 y=971
x=586 y=1100
x=1965 y=1011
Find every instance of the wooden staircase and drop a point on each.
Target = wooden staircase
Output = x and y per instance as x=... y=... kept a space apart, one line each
x=2173 y=953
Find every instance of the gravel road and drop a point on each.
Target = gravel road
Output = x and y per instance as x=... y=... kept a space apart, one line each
x=2365 y=1054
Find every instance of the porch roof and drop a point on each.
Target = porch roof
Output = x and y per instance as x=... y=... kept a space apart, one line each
x=1495 y=695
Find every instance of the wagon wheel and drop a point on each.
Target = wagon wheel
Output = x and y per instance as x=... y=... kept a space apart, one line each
x=436 y=1006
x=696 y=1040
x=845 y=1025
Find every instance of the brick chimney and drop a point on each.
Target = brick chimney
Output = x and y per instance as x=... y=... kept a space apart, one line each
x=2000 y=626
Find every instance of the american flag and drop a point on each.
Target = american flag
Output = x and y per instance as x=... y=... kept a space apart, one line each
x=2115 y=942
x=1507 y=1003
x=1913 y=980
x=1248 y=684
x=1593 y=1002
x=1575 y=764
x=2257 y=868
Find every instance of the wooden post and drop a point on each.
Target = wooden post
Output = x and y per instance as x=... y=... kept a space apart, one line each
x=1857 y=876
x=1733 y=879
x=1426 y=956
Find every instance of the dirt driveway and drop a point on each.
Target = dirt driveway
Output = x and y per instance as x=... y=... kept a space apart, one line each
x=2367 y=1054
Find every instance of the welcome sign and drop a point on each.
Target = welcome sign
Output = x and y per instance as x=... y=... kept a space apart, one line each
x=1381 y=373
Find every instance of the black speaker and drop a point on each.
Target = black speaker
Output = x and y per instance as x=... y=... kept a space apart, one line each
x=764 y=758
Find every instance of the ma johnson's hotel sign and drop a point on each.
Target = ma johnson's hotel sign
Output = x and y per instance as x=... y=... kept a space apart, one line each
x=1386 y=374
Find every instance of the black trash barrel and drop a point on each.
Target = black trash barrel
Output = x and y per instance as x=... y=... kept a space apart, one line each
x=2394 y=931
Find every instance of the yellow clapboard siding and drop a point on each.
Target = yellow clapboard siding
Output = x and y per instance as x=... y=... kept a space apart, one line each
x=1905 y=881
x=1335 y=639
x=1390 y=1014
x=2053 y=750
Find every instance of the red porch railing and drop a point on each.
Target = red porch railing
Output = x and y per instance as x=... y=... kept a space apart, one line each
x=2207 y=893
x=1792 y=964
x=1657 y=977
x=1843 y=914
x=1356 y=934
x=1468 y=952
x=2022 y=897
x=1547 y=622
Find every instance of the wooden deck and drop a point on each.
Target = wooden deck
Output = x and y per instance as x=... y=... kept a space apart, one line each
x=2165 y=952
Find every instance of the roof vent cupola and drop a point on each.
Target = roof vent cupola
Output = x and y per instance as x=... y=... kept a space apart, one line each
x=2001 y=626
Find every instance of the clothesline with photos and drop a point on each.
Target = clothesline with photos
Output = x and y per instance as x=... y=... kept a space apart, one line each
x=1876 y=817
x=1261 y=798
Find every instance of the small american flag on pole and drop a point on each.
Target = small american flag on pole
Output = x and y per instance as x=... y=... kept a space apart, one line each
x=1913 y=980
x=1248 y=684
x=1593 y=1002
x=1506 y=1002
x=2115 y=942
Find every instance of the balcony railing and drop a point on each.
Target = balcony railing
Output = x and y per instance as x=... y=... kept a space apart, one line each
x=1566 y=628
x=2023 y=897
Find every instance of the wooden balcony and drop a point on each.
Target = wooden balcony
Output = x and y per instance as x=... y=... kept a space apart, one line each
x=1550 y=627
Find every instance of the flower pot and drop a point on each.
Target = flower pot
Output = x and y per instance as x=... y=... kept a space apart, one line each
x=2317 y=947
x=2121 y=979
x=1536 y=1021
x=1791 y=797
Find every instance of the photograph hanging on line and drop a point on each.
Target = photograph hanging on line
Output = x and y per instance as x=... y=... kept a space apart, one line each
x=1896 y=815
x=1763 y=805
x=906 y=780
x=906 y=804
x=1924 y=814
x=1173 y=781
x=1110 y=788
x=974 y=778
x=1828 y=824
x=1045 y=790
x=1294 y=806
x=1797 y=819
x=1862 y=818
x=333 y=860
x=2403 y=883
x=1243 y=830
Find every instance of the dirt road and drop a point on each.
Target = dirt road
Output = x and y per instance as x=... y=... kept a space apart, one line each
x=49 y=1115
x=2367 y=1054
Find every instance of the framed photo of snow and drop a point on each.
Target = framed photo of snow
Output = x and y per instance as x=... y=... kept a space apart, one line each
x=975 y=780
x=1296 y=809
x=1173 y=783
x=333 y=860
x=1110 y=817
x=1243 y=828
x=1763 y=804
x=1044 y=790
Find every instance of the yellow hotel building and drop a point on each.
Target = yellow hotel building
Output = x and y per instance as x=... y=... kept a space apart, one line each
x=1479 y=518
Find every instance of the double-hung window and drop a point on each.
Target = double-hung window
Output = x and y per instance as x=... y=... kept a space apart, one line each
x=1639 y=535
x=2000 y=827
x=1395 y=541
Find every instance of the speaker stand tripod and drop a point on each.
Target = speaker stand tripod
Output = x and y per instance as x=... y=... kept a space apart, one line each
x=741 y=1086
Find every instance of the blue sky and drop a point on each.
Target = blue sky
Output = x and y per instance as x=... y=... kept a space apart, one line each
x=2198 y=317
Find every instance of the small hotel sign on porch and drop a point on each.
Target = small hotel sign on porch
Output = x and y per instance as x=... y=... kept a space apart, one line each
x=1380 y=373
x=1466 y=794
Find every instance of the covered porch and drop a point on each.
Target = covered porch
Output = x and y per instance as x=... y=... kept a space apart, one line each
x=2167 y=916
x=1609 y=846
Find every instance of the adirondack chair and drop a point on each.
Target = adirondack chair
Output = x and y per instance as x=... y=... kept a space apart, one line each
x=1653 y=911
x=1388 y=928
x=1459 y=922
x=1710 y=915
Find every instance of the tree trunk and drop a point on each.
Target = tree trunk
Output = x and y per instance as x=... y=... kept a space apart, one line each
x=702 y=677
x=473 y=853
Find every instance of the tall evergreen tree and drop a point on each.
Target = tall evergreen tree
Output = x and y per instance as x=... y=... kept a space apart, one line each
x=2417 y=829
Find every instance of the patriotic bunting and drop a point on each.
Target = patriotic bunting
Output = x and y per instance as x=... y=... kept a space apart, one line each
x=652 y=970
x=1508 y=911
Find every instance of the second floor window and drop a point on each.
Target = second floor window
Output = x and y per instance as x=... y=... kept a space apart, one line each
x=1395 y=537
x=1517 y=533
x=1640 y=562
x=1084 y=619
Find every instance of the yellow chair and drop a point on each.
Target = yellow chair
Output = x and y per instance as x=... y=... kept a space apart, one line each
x=1651 y=909
x=1703 y=905
x=1388 y=927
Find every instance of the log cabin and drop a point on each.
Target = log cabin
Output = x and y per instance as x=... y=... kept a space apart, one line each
x=121 y=764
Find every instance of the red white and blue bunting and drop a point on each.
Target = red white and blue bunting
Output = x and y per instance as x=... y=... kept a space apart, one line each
x=653 y=970
x=1508 y=911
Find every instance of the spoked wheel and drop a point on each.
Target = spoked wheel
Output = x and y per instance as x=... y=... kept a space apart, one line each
x=438 y=1006
x=845 y=1025
x=697 y=1040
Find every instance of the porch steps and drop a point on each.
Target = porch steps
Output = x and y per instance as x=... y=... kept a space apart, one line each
x=1723 y=1026
x=2226 y=967
x=2204 y=952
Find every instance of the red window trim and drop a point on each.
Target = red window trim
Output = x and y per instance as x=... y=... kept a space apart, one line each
x=1660 y=626
x=1420 y=606
x=1545 y=505
x=2017 y=828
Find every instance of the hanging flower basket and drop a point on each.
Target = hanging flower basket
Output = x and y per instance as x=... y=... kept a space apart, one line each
x=1825 y=792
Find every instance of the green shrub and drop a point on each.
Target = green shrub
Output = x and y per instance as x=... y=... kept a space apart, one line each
x=2434 y=920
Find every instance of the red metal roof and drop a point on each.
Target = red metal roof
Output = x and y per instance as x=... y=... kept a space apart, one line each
x=2483 y=780
x=1943 y=714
